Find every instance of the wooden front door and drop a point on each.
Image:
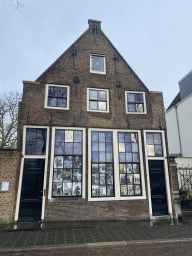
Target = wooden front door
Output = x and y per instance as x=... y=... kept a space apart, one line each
x=32 y=190
x=158 y=188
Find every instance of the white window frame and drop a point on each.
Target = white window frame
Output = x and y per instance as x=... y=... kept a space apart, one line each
x=164 y=158
x=46 y=96
x=116 y=167
x=144 y=104
x=24 y=156
x=95 y=110
x=98 y=72
x=52 y=162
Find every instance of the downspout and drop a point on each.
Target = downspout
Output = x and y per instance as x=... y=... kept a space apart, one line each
x=178 y=129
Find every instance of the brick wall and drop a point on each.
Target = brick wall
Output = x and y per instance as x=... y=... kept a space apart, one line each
x=9 y=161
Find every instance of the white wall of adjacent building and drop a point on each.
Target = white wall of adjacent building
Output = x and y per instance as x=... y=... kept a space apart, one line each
x=184 y=116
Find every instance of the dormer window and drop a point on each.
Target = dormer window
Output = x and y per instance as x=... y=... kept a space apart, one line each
x=97 y=64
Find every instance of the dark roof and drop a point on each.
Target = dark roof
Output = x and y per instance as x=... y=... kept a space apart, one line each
x=175 y=101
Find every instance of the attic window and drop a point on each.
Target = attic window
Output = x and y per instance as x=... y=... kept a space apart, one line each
x=57 y=96
x=97 y=64
x=135 y=103
x=97 y=100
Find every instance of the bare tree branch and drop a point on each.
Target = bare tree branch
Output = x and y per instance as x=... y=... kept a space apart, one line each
x=16 y=4
x=8 y=119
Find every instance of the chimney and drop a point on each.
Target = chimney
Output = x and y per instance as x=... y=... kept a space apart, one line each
x=94 y=22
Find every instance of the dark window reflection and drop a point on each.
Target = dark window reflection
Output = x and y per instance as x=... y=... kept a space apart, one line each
x=35 y=141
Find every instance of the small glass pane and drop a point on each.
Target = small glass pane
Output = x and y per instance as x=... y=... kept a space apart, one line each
x=102 y=105
x=121 y=157
x=131 y=107
x=127 y=137
x=101 y=136
x=95 y=136
x=102 y=179
x=135 y=157
x=92 y=95
x=131 y=97
x=123 y=190
x=95 y=179
x=130 y=178
x=77 y=175
x=77 y=189
x=57 y=175
x=62 y=92
x=67 y=175
x=109 y=168
x=128 y=147
x=68 y=136
x=68 y=161
x=92 y=104
x=30 y=148
x=62 y=103
x=95 y=191
x=139 y=97
x=95 y=168
x=31 y=135
x=149 y=137
x=129 y=157
x=77 y=136
x=137 y=190
x=129 y=168
x=58 y=162
x=108 y=147
x=40 y=148
x=68 y=148
x=136 y=179
x=109 y=157
x=136 y=168
x=101 y=157
x=102 y=168
x=122 y=168
x=102 y=95
x=67 y=188
x=77 y=162
x=108 y=137
x=95 y=146
x=139 y=107
x=95 y=156
x=158 y=150
x=121 y=137
x=77 y=148
x=150 y=150
x=97 y=63
x=133 y=137
x=157 y=138
x=52 y=102
x=121 y=147
x=59 y=148
x=110 y=191
x=52 y=91
x=123 y=179
x=102 y=190
x=135 y=147
x=101 y=146
x=41 y=135
x=130 y=190
x=59 y=135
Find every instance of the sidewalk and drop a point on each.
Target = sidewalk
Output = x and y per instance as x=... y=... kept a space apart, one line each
x=103 y=232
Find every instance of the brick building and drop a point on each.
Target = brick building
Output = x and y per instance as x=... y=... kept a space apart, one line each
x=93 y=140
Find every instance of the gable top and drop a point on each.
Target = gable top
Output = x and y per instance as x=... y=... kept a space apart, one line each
x=91 y=24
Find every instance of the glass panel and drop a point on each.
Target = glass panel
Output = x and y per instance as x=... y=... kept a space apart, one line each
x=101 y=146
x=68 y=161
x=137 y=190
x=121 y=137
x=68 y=136
x=109 y=179
x=95 y=146
x=59 y=135
x=77 y=136
x=92 y=104
x=108 y=147
x=108 y=137
x=135 y=157
x=158 y=150
x=52 y=91
x=59 y=148
x=139 y=97
x=98 y=63
x=135 y=147
x=131 y=107
x=121 y=147
x=129 y=157
x=102 y=95
x=67 y=175
x=67 y=188
x=58 y=162
x=128 y=147
x=95 y=168
x=77 y=148
x=68 y=148
x=95 y=157
x=131 y=97
x=77 y=162
x=35 y=141
x=41 y=135
x=122 y=168
x=92 y=95
x=150 y=150
x=95 y=191
x=123 y=190
x=102 y=105
x=95 y=179
x=57 y=189
x=57 y=175
x=109 y=157
x=31 y=135
x=101 y=156
x=129 y=168
x=157 y=138
x=30 y=148
x=130 y=190
x=110 y=191
x=139 y=107
x=62 y=92
x=77 y=189
x=102 y=190
x=40 y=148
x=62 y=103
x=102 y=179
x=121 y=157
x=149 y=137
x=52 y=102
x=134 y=137
x=123 y=179
x=101 y=136
x=95 y=136
x=77 y=175
x=127 y=137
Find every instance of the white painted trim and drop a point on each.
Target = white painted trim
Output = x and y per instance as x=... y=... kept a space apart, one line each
x=144 y=104
x=46 y=96
x=97 y=72
x=164 y=158
x=22 y=166
x=98 y=89
x=52 y=161
x=116 y=167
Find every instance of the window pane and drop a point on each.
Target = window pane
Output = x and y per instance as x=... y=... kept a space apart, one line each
x=102 y=95
x=101 y=136
x=40 y=148
x=68 y=136
x=95 y=146
x=139 y=107
x=78 y=136
x=31 y=135
x=52 y=102
x=149 y=138
x=108 y=137
x=95 y=136
x=157 y=138
x=108 y=147
x=62 y=103
x=131 y=107
x=150 y=150
x=35 y=141
x=30 y=148
x=93 y=105
x=158 y=150
x=92 y=95
x=77 y=148
x=121 y=136
x=139 y=97
x=102 y=105
x=59 y=148
x=62 y=92
x=101 y=146
x=59 y=135
x=98 y=63
x=68 y=148
x=52 y=91
x=131 y=97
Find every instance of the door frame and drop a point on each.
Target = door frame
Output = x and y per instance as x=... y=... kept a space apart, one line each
x=167 y=183
x=22 y=166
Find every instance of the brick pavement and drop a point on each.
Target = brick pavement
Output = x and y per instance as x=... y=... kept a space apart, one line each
x=84 y=236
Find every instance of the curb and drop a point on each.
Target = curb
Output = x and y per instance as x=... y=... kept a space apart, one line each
x=89 y=245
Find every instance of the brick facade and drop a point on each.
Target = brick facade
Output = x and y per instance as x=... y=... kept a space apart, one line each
x=9 y=163
x=62 y=72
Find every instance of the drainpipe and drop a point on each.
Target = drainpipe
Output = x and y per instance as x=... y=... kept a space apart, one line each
x=178 y=129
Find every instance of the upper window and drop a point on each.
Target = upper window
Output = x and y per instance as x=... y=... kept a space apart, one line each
x=154 y=144
x=57 y=96
x=35 y=141
x=97 y=64
x=97 y=100
x=135 y=103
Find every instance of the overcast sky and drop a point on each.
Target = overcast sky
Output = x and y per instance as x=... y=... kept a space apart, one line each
x=154 y=37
